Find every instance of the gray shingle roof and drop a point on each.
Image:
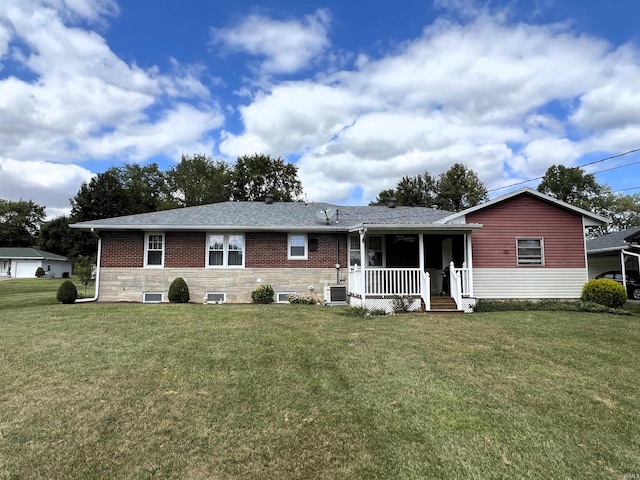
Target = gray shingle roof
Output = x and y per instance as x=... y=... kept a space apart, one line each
x=611 y=241
x=26 y=252
x=262 y=216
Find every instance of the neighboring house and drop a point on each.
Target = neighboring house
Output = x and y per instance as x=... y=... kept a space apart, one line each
x=19 y=262
x=609 y=252
x=522 y=245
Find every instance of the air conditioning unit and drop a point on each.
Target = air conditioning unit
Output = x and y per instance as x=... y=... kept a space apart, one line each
x=335 y=294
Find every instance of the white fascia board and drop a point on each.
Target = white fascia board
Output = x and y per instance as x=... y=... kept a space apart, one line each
x=431 y=227
x=217 y=228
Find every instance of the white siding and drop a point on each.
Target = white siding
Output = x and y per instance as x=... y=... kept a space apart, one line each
x=529 y=282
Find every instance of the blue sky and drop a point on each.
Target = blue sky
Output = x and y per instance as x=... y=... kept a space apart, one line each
x=356 y=96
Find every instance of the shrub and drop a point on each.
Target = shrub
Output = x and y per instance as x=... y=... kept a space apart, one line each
x=40 y=272
x=67 y=292
x=263 y=294
x=401 y=304
x=179 y=291
x=544 y=305
x=604 y=291
x=305 y=300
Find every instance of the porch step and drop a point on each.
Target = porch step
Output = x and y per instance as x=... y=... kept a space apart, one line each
x=443 y=305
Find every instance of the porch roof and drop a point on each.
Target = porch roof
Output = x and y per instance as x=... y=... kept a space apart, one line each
x=415 y=228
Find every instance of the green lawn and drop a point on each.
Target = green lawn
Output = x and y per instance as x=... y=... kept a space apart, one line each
x=298 y=392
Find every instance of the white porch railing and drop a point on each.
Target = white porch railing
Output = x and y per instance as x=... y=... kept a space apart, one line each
x=390 y=282
x=460 y=283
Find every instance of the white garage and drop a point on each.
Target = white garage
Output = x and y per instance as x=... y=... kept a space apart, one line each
x=18 y=262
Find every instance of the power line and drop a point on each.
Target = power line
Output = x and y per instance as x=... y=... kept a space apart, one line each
x=577 y=166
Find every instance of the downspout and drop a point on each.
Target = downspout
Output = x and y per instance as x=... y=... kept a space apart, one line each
x=97 y=289
x=337 y=258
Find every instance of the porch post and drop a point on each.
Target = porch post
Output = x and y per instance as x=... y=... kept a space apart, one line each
x=421 y=251
x=468 y=253
x=364 y=259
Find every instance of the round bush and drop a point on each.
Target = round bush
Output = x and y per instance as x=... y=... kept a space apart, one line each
x=179 y=291
x=67 y=292
x=40 y=272
x=262 y=294
x=604 y=291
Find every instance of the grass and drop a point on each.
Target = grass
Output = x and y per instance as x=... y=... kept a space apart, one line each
x=92 y=391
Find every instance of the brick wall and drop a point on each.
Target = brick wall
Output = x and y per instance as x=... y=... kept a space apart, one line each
x=184 y=250
x=188 y=250
x=269 y=250
x=122 y=249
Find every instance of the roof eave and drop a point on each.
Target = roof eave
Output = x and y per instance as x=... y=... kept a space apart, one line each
x=412 y=227
x=217 y=228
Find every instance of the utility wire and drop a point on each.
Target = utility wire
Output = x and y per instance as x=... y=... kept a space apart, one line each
x=577 y=166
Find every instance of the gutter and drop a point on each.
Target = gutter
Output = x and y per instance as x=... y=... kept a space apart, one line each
x=97 y=289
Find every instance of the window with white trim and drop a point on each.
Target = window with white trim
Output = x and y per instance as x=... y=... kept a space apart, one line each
x=530 y=251
x=374 y=246
x=297 y=246
x=354 y=251
x=225 y=250
x=154 y=250
x=374 y=250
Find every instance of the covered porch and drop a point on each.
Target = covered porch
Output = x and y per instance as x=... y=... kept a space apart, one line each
x=411 y=266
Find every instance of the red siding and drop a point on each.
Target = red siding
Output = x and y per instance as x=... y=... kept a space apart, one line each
x=269 y=250
x=184 y=249
x=122 y=249
x=494 y=246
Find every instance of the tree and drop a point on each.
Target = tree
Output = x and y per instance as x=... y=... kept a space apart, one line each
x=198 y=180
x=125 y=190
x=571 y=185
x=257 y=175
x=83 y=268
x=56 y=236
x=456 y=189
x=460 y=188
x=622 y=210
x=20 y=222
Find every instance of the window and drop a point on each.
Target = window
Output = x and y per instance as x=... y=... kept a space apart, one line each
x=152 y=297
x=354 y=251
x=374 y=248
x=216 y=297
x=283 y=297
x=530 y=251
x=154 y=250
x=225 y=250
x=297 y=247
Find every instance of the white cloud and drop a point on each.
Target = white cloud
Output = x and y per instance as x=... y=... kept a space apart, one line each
x=47 y=184
x=80 y=101
x=286 y=46
x=503 y=99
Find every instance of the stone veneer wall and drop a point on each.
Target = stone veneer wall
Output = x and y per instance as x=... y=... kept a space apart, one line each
x=128 y=284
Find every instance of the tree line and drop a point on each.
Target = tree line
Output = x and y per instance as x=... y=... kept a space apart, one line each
x=198 y=180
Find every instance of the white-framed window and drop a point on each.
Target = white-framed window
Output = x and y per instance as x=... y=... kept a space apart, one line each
x=354 y=251
x=374 y=245
x=530 y=251
x=283 y=297
x=154 y=250
x=216 y=297
x=225 y=250
x=374 y=250
x=297 y=246
x=152 y=297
